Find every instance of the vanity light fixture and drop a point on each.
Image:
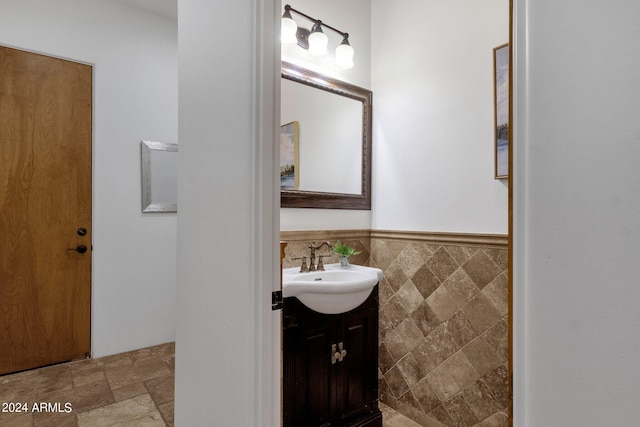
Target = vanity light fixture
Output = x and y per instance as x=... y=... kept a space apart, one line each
x=317 y=41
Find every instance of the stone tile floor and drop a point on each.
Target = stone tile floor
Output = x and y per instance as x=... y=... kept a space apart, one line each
x=128 y=389
x=392 y=418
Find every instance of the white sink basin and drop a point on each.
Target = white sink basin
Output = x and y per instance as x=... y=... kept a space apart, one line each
x=335 y=290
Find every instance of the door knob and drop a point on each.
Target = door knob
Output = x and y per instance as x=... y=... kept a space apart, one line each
x=80 y=249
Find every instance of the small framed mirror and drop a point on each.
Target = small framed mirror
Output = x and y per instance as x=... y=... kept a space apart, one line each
x=159 y=165
x=325 y=144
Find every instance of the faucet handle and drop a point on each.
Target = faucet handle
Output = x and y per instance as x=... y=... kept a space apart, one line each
x=303 y=267
x=320 y=263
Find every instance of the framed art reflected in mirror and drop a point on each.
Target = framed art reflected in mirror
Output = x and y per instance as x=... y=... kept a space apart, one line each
x=501 y=117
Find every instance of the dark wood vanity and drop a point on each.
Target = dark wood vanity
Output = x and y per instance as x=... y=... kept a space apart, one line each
x=331 y=366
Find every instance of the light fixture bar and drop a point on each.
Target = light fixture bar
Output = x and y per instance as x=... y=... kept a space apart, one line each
x=317 y=21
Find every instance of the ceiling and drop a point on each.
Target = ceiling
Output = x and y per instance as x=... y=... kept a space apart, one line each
x=166 y=8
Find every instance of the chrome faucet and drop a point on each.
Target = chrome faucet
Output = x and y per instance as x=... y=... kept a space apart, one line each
x=312 y=258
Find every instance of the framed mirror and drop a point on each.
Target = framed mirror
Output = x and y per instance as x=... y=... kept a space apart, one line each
x=159 y=166
x=325 y=143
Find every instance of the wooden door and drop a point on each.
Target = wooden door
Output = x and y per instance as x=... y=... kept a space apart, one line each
x=45 y=210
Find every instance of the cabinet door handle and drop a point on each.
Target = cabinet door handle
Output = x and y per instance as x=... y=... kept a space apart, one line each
x=337 y=353
x=342 y=351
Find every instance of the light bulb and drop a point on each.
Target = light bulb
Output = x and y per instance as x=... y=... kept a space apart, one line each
x=344 y=54
x=317 y=41
x=288 y=29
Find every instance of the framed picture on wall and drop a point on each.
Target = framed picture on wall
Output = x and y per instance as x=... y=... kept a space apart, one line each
x=289 y=166
x=501 y=108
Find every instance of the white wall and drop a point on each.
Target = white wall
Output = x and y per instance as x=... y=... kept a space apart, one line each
x=134 y=58
x=432 y=81
x=353 y=17
x=577 y=218
x=227 y=347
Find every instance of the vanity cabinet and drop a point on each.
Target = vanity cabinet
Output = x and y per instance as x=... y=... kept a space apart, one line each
x=330 y=366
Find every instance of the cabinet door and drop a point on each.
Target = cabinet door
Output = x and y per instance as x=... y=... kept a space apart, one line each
x=307 y=393
x=356 y=377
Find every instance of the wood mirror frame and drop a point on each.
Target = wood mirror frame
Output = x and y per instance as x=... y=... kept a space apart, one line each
x=322 y=200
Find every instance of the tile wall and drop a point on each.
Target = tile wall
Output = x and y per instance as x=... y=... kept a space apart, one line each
x=443 y=356
x=298 y=242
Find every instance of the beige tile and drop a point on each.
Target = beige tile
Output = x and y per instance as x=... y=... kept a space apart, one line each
x=442 y=343
x=461 y=287
x=385 y=360
x=166 y=410
x=460 y=412
x=481 y=355
x=138 y=411
x=396 y=382
x=408 y=405
x=81 y=399
x=410 y=260
x=435 y=349
x=411 y=413
x=498 y=338
x=460 y=369
x=498 y=419
x=442 y=383
x=396 y=247
x=409 y=296
x=25 y=420
x=162 y=351
x=481 y=269
x=387 y=411
x=498 y=382
x=381 y=254
x=425 y=395
x=460 y=253
x=88 y=377
x=94 y=365
x=403 y=339
x=395 y=311
x=460 y=328
x=57 y=420
x=423 y=249
x=385 y=292
x=395 y=275
x=410 y=369
x=129 y=391
x=480 y=312
x=441 y=414
x=427 y=357
x=161 y=389
x=480 y=399
x=442 y=304
x=35 y=385
x=384 y=391
x=497 y=292
x=385 y=326
x=141 y=370
x=425 y=318
x=399 y=420
x=425 y=281
x=499 y=256
x=442 y=264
